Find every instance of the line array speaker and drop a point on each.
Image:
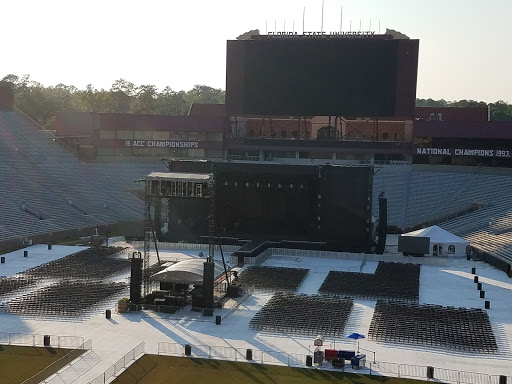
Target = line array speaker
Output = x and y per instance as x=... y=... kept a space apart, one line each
x=136 y=280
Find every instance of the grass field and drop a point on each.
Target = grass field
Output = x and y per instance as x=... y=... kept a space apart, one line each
x=19 y=363
x=154 y=369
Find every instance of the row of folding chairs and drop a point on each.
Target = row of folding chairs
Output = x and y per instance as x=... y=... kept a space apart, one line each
x=433 y=325
x=273 y=278
x=303 y=314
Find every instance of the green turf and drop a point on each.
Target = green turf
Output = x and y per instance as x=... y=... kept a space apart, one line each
x=19 y=363
x=154 y=369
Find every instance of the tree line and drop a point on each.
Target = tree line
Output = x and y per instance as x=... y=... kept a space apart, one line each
x=500 y=110
x=42 y=103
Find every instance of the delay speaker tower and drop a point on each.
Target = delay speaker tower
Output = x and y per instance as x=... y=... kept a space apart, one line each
x=383 y=224
x=136 y=280
x=208 y=281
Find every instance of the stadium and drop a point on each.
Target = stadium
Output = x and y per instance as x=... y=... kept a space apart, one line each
x=329 y=225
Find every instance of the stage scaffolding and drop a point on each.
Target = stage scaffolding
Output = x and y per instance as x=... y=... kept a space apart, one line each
x=161 y=185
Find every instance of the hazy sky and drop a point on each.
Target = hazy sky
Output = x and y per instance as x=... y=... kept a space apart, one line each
x=465 y=45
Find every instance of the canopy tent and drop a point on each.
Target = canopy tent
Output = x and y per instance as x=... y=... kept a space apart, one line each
x=442 y=242
x=186 y=272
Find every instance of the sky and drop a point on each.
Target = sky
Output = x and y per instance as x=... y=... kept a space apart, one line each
x=465 y=45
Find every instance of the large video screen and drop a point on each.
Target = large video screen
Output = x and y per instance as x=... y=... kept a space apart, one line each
x=312 y=77
x=330 y=204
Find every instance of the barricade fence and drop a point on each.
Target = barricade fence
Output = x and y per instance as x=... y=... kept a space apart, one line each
x=187 y=246
x=205 y=351
x=355 y=256
x=130 y=307
x=338 y=255
x=33 y=340
x=76 y=369
x=119 y=365
x=299 y=360
x=439 y=374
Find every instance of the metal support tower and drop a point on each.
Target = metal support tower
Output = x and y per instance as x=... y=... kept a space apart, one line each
x=148 y=231
x=212 y=225
x=203 y=182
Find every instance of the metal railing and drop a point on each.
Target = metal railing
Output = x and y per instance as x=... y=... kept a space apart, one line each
x=33 y=340
x=341 y=255
x=119 y=365
x=440 y=374
x=231 y=354
x=386 y=162
x=75 y=369
x=187 y=246
x=373 y=366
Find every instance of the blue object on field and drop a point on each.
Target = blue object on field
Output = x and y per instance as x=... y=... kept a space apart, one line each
x=346 y=355
x=356 y=336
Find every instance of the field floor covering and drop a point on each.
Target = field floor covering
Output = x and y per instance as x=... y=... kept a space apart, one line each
x=157 y=369
x=18 y=363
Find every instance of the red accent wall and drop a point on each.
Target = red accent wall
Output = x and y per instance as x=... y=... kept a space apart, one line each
x=473 y=114
x=124 y=121
x=76 y=124
x=461 y=129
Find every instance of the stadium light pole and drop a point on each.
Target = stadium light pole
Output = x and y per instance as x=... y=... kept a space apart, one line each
x=303 y=19
x=322 y=24
x=341 y=19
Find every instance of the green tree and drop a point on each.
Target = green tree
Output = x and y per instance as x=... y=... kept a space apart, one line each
x=431 y=103
x=122 y=93
x=501 y=111
x=205 y=94
x=170 y=102
x=145 y=100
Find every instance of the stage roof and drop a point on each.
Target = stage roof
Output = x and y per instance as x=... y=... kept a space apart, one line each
x=175 y=176
x=186 y=272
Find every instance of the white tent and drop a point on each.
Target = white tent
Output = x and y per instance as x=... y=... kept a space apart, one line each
x=188 y=271
x=442 y=242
